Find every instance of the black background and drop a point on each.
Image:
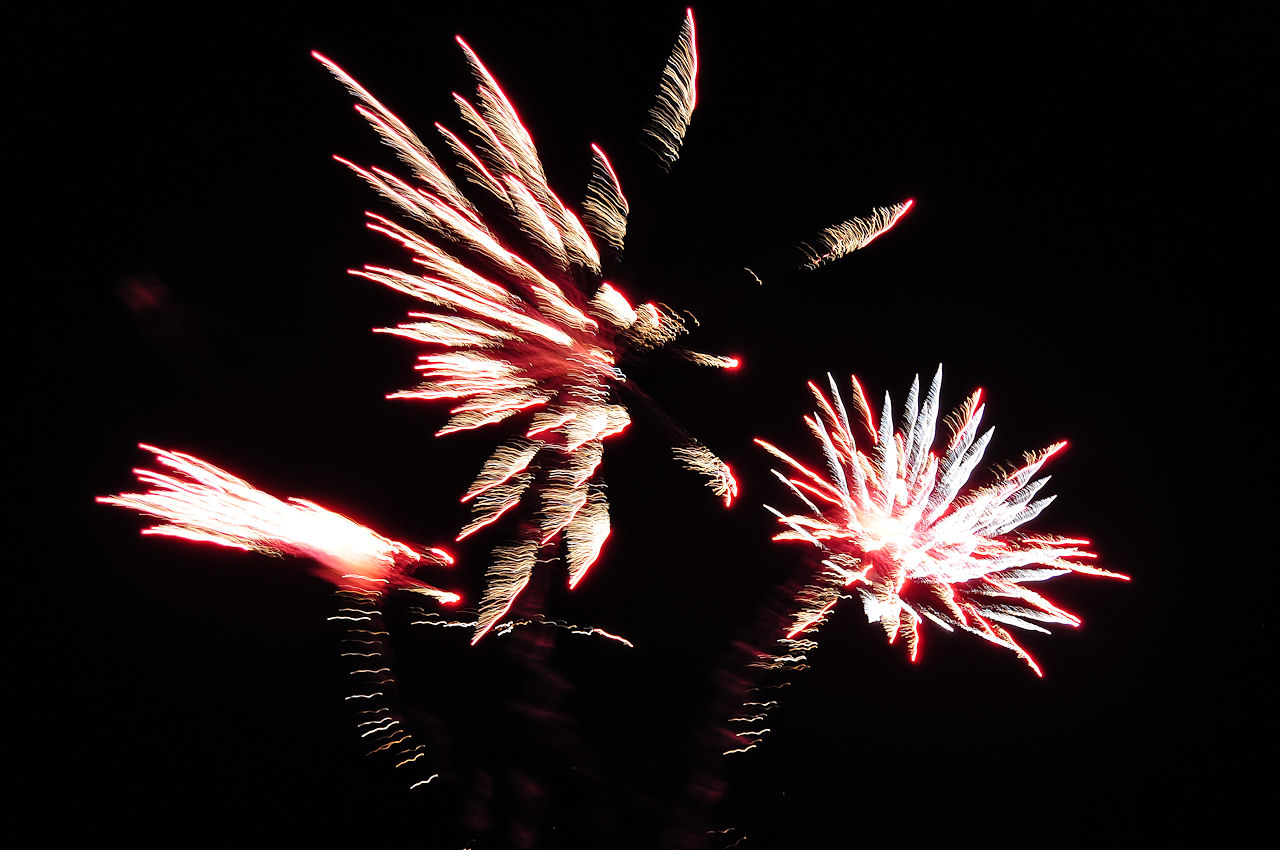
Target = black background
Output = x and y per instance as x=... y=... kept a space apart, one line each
x=1090 y=204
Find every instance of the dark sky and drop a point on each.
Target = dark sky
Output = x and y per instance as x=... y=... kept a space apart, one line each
x=1088 y=189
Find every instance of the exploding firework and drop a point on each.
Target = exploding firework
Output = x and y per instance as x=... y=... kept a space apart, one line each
x=203 y=503
x=899 y=524
x=200 y=502
x=536 y=334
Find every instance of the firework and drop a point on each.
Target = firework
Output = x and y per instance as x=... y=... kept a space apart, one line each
x=671 y=113
x=840 y=239
x=900 y=525
x=535 y=333
x=198 y=501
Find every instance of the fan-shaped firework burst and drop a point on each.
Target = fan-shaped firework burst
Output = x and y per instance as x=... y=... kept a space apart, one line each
x=201 y=502
x=536 y=333
x=898 y=523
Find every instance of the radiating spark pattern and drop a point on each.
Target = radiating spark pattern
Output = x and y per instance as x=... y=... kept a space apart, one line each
x=899 y=525
x=840 y=239
x=198 y=501
x=537 y=334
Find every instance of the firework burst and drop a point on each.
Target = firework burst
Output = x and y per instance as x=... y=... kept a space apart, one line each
x=198 y=501
x=900 y=524
x=535 y=333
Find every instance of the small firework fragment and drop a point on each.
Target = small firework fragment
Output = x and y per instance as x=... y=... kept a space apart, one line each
x=899 y=524
x=519 y=321
x=198 y=501
x=840 y=239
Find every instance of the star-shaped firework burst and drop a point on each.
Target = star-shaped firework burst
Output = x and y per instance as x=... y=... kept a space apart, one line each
x=899 y=523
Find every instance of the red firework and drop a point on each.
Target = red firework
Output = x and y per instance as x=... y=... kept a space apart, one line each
x=535 y=333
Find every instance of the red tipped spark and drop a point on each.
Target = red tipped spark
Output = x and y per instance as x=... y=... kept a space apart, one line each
x=532 y=333
x=845 y=238
x=198 y=501
x=898 y=523
x=670 y=116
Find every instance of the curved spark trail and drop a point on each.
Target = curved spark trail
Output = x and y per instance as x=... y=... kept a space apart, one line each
x=840 y=239
x=535 y=335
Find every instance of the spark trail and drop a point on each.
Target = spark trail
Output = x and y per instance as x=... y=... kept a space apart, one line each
x=840 y=239
x=535 y=334
x=899 y=525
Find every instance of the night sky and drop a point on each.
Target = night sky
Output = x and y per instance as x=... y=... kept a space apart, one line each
x=1086 y=186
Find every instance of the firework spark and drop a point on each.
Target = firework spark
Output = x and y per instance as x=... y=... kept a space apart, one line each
x=670 y=116
x=508 y=626
x=898 y=524
x=840 y=239
x=367 y=654
x=536 y=334
x=200 y=502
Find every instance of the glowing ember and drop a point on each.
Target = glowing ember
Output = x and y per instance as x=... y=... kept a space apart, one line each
x=200 y=502
x=536 y=334
x=897 y=523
